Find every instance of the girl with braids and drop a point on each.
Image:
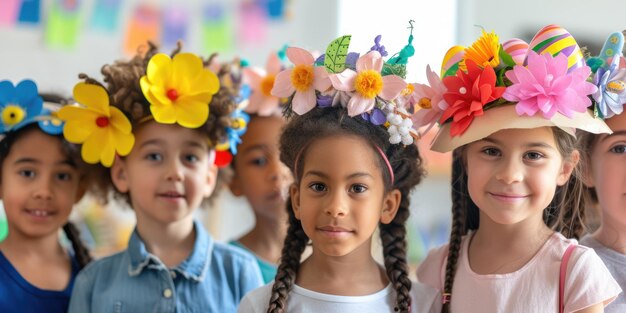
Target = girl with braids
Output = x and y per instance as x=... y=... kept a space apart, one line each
x=41 y=178
x=260 y=176
x=351 y=177
x=604 y=167
x=162 y=163
x=517 y=199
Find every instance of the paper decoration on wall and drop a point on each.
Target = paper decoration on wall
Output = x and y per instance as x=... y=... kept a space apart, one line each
x=144 y=25
x=4 y=227
x=30 y=11
x=105 y=15
x=63 y=23
x=8 y=11
x=217 y=29
x=253 y=26
x=175 y=26
x=275 y=8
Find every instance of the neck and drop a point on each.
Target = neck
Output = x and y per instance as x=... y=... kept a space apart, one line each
x=266 y=238
x=354 y=274
x=612 y=235
x=498 y=236
x=46 y=247
x=172 y=243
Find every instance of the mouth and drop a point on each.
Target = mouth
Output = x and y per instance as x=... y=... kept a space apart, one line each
x=508 y=197
x=334 y=231
x=171 y=195
x=39 y=213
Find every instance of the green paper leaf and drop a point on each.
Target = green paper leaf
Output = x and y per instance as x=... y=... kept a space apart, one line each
x=394 y=69
x=335 y=59
x=452 y=70
x=505 y=57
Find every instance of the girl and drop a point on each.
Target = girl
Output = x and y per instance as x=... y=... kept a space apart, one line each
x=162 y=163
x=603 y=158
x=41 y=178
x=260 y=176
x=349 y=179
x=516 y=196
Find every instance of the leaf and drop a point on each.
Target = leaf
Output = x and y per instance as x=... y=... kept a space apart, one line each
x=505 y=57
x=452 y=70
x=335 y=59
x=394 y=69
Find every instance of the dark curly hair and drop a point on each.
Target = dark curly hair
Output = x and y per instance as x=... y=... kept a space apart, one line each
x=121 y=80
x=408 y=170
x=565 y=213
x=72 y=151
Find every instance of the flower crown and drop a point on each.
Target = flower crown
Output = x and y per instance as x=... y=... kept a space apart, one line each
x=491 y=86
x=21 y=105
x=609 y=68
x=178 y=89
x=366 y=85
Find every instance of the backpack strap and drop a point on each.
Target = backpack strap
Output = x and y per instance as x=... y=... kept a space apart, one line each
x=563 y=273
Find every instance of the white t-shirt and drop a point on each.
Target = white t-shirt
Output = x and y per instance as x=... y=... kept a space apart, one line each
x=532 y=288
x=423 y=300
x=616 y=263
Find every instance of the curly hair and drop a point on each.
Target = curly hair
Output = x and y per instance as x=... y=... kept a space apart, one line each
x=565 y=213
x=408 y=170
x=121 y=80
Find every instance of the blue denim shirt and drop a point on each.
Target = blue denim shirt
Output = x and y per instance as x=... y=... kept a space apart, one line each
x=214 y=278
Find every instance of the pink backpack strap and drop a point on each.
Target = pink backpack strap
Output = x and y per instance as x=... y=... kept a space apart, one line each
x=563 y=273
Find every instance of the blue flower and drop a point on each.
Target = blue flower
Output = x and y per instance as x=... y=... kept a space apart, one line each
x=240 y=120
x=19 y=105
x=611 y=94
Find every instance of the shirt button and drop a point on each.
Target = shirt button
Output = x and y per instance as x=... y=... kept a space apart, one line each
x=167 y=293
x=173 y=274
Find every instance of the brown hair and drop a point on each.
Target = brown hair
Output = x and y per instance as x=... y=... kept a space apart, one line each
x=564 y=214
x=407 y=167
x=122 y=84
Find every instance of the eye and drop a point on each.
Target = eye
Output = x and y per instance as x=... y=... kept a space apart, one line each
x=358 y=188
x=533 y=156
x=154 y=157
x=27 y=173
x=317 y=187
x=192 y=158
x=618 y=149
x=64 y=176
x=491 y=152
x=258 y=161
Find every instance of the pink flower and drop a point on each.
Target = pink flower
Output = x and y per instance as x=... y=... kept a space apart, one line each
x=544 y=85
x=261 y=82
x=303 y=79
x=429 y=101
x=367 y=83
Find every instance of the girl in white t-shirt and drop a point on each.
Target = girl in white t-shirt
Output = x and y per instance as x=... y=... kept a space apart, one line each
x=515 y=194
x=352 y=176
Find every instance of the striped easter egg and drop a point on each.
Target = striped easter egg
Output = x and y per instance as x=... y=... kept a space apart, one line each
x=554 y=39
x=517 y=49
x=451 y=60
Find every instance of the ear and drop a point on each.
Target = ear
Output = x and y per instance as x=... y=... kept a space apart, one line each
x=211 y=180
x=119 y=175
x=294 y=193
x=391 y=203
x=585 y=171
x=82 y=189
x=568 y=168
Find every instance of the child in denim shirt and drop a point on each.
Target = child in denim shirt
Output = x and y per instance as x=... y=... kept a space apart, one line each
x=162 y=163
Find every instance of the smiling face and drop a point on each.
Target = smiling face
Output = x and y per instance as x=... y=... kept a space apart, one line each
x=608 y=172
x=513 y=174
x=341 y=197
x=260 y=176
x=39 y=186
x=167 y=174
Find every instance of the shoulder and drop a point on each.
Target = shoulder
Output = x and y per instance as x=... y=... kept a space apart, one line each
x=232 y=254
x=104 y=267
x=431 y=268
x=425 y=298
x=256 y=300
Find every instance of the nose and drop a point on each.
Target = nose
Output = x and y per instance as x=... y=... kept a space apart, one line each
x=510 y=171
x=44 y=190
x=174 y=170
x=336 y=206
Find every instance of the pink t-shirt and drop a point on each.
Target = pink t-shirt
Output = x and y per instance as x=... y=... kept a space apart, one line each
x=533 y=288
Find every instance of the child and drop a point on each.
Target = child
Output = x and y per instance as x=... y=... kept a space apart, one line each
x=42 y=177
x=514 y=184
x=351 y=177
x=260 y=176
x=162 y=162
x=603 y=157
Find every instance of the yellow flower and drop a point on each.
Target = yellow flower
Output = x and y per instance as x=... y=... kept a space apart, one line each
x=484 y=51
x=102 y=129
x=179 y=90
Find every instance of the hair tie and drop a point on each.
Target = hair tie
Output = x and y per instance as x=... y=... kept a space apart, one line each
x=445 y=298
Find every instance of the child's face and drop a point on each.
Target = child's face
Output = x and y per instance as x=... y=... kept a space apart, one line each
x=513 y=174
x=40 y=184
x=260 y=176
x=167 y=174
x=608 y=171
x=341 y=197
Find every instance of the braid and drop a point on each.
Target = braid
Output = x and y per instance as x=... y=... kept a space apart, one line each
x=295 y=243
x=459 y=208
x=80 y=251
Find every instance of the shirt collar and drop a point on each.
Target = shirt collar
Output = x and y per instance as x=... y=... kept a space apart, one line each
x=194 y=267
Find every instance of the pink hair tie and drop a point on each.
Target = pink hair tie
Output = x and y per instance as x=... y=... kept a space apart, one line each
x=445 y=298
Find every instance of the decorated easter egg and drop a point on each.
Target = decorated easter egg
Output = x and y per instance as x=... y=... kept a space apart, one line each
x=517 y=49
x=612 y=46
x=554 y=39
x=451 y=60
